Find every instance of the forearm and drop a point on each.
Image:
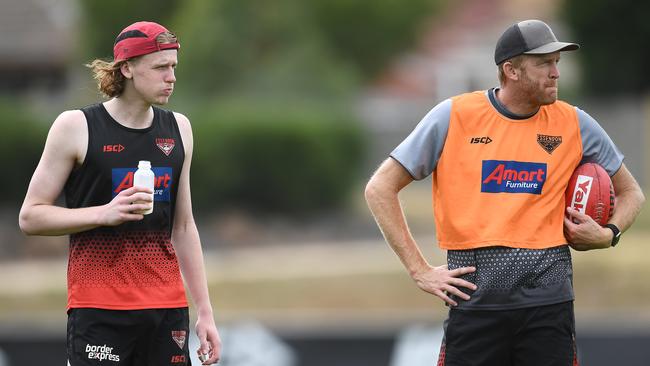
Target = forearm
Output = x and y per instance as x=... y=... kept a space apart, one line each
x=387 y=211
x=187 y=244
x=628 y=206
x=50 y=220
x=585 y=234
x=629 y=199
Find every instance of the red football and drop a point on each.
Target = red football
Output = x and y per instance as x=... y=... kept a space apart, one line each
x=590 y=191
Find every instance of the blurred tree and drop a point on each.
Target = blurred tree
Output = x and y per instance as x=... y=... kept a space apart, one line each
x=257 y=47
x=23 y=139
x=317 y=47
x=102 y=21
x=369 y=33
x=275 y=157
x=269 y=86
x=606 y=30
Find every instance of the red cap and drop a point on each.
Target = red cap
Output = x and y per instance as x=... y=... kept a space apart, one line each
x=140 y=39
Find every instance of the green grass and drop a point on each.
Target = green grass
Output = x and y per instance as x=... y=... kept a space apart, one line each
x=366 y=280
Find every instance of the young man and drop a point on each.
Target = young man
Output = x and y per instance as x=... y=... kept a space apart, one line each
x=126 y=298
x=508 y=278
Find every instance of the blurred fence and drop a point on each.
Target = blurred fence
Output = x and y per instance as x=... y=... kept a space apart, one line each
x=251 y=344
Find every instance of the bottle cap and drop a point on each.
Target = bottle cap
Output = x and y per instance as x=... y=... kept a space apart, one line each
x=144 y=164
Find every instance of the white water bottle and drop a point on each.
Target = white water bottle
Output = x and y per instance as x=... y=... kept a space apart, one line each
x=144 y=178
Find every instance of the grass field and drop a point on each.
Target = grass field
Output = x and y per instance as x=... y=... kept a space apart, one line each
x=348 y=284
x=341 y=284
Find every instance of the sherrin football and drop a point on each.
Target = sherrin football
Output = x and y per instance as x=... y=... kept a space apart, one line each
x=591 y=192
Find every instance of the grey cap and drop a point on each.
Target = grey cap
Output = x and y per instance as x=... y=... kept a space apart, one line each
x=530 y=37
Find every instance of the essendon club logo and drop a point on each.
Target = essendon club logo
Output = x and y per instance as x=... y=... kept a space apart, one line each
x=549 y=143
x=509 y=176
x=179 y=337
x=165 y=145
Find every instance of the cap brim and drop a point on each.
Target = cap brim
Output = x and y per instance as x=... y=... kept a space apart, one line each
x=553 y=47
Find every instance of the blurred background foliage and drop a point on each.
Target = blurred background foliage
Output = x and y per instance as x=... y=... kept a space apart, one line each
x=279 y=157
x=23 y=141
x=98 y=17
x=320 y=47
x=368 y=34
x=614 y=37
x=286 y=102
x=270 y=89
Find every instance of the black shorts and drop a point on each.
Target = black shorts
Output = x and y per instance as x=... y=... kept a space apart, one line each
x=536 y=336
x=152 y=337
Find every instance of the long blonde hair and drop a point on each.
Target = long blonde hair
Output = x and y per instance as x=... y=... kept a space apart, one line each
x=109 y=77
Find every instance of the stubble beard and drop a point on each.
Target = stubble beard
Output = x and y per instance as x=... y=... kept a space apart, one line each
x=535 y=94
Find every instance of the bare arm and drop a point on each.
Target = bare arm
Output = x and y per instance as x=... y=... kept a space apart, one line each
x=382 y=196
x=64 y=149
x=186 y=241
x=585 y=234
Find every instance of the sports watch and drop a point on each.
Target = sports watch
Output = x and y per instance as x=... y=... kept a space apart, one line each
x=617 y=233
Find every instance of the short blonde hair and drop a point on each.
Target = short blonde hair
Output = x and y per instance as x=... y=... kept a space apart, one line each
x=516 y=62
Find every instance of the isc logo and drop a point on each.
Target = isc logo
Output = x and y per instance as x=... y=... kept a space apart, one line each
x=113 y=148
x=512 y=176
x=480 y=140
x=580 y=195
x=178 y=359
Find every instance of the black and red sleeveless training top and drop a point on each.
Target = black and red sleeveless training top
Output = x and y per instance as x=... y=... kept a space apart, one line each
x=132 y=265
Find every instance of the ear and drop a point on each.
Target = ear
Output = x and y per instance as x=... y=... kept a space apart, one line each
x=127 y=69
x=510 y=71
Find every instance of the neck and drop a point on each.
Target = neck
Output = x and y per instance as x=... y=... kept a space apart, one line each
x=130 y=112
x=516 y=102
